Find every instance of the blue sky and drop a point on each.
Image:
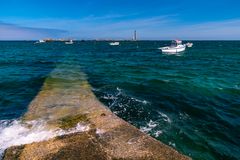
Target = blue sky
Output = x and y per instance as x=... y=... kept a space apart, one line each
x=100 y=19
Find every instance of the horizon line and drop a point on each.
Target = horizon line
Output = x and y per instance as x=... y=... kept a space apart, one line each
x=57 y=40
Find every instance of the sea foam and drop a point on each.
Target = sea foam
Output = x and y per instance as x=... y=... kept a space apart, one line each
x=15 y=132
x=150 y=125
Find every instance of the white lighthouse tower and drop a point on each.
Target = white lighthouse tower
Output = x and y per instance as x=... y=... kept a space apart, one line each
x=135 y=36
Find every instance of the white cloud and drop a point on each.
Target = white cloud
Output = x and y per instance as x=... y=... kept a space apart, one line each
x=16 y=32
x=122 y=26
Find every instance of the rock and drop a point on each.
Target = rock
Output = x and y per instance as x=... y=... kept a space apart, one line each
x=90 y=146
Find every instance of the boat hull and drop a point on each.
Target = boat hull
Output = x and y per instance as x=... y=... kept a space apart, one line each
x=114 y=44
x=173 y=50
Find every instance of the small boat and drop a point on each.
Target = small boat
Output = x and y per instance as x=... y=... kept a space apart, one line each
x=69 y=42
x=114 y=44
x=189 y=44
x=175 y=47
x=40 y=41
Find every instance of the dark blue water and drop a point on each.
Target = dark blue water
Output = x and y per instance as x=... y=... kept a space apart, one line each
x=190 y=101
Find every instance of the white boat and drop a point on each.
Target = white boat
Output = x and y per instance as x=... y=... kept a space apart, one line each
x=189 y=44
x=69 y=42
x=176 y=46
x=114 y=44
x=40 y=41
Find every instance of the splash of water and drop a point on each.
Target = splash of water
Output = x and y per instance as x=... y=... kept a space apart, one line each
x=15 y=132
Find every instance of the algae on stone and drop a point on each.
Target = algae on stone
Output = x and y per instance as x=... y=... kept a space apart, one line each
x=72 y=120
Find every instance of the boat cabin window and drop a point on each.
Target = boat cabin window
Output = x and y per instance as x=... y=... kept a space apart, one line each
x=173 y=44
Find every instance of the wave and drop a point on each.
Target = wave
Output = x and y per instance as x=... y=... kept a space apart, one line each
x=165 y=117
x=118 y=95
x=125 y=105
x=150 y=125
x=15 y=132
x=141 y=101
x=156 y=127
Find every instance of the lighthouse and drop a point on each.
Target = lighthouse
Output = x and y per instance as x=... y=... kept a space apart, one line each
x=135 y=36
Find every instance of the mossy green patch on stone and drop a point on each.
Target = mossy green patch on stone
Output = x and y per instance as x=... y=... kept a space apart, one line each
x=72 y=120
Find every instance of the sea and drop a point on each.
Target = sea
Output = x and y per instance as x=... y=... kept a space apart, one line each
x=189 y=101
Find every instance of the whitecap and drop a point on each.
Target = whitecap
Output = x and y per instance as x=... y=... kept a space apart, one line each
x=150 y=125
x=109 y=97
x=165 y=117
x=172 y=144
x=119 y=91
x=141 y=101
x=184 y=116
x=95 y=89
x=14 y=133
x=237 y=87
x=158 y=133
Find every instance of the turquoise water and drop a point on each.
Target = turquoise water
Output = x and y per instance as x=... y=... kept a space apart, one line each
x=190 y=101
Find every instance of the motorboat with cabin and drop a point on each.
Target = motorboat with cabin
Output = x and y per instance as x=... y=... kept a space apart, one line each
x=114 y=44
x=175 y=47
x=69 y=42
x=40 y=41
